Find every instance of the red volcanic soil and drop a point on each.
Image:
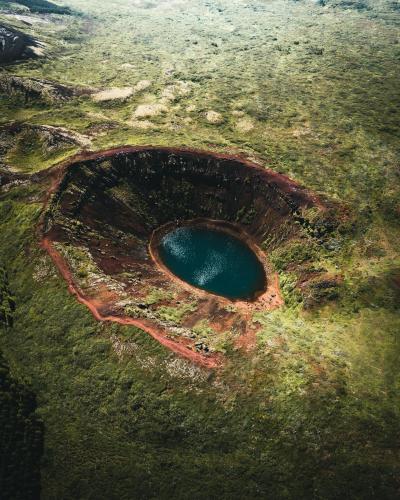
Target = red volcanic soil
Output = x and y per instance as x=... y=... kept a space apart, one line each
x=211 y=361
x=113 y=202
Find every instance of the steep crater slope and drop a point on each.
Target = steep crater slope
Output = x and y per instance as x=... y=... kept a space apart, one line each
x=106 y=208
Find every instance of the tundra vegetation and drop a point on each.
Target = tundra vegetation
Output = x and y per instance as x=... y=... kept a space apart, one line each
x=312 y=410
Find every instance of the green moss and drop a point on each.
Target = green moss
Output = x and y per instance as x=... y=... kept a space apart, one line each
x=293 y=254
x=80 y=260
x=176 y=314
x=156 y=295
x=203 y=329
x=207 y=339
x=288 y=284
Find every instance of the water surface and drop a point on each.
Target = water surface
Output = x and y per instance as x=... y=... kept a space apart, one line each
x=213 y=260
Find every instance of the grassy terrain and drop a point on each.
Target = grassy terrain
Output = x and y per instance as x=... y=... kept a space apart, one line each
x=21 y=438
x=309 y=88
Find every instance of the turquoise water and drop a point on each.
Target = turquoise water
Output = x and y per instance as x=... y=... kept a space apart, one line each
x=214 y=261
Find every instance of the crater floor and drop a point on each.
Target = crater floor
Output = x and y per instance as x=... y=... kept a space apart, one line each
x=213 y=260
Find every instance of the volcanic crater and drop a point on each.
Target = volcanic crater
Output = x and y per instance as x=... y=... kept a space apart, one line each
x=107 y=212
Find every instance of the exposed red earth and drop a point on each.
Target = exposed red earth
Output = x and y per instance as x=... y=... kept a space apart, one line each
x=211 y=361
x=114 y=256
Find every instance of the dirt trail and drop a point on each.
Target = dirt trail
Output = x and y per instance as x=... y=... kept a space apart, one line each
x=211 y=361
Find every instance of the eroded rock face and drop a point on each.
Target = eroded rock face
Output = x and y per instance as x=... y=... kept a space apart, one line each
x=39 y=89
x=16 y=137
x=15 y=45
x=107 y=206
x=146 y=188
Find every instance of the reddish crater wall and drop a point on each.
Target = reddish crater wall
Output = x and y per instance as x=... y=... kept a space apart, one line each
x=110 y=203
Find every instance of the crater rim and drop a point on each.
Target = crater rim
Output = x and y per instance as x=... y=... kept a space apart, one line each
x=280 y=201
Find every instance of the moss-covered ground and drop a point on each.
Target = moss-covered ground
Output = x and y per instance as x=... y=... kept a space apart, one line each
x=311 y=90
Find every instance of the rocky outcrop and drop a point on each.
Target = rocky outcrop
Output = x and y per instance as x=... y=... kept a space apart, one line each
x=35 y=88
x=44 y=7
x=49 y=140
x=15 y=45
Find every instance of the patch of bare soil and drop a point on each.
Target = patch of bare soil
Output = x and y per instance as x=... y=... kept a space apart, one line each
x=113 y=94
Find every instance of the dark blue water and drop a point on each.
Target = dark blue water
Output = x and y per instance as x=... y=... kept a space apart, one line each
x=214 y=261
